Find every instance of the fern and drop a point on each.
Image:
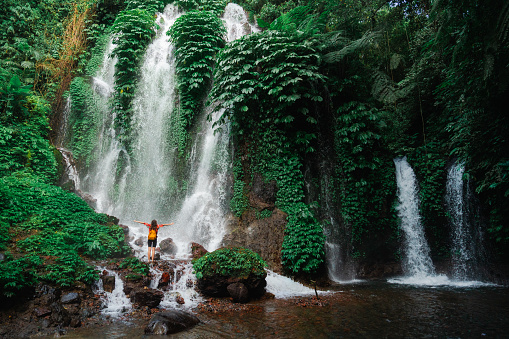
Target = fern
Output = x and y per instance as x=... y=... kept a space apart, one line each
x=368 y=39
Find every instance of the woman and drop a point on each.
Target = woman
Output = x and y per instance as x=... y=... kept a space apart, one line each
x=152 y=237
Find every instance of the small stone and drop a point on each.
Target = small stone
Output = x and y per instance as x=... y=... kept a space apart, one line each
x=42 y=311
x=70 y=298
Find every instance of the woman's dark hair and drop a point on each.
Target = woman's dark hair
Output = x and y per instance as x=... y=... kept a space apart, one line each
x=153 y=224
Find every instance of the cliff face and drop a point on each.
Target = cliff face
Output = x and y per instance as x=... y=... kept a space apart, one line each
x=263 y=235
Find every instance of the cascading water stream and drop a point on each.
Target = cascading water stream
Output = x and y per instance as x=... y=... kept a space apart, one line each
x=461 y=253
x=70 y=170
x=339 y=265
x=137 y=186
x=134 y=187
x=417 y=265
x=202 y=214
x=100 y=179
x=116 y=302
x=467 y=247
x=416 y=254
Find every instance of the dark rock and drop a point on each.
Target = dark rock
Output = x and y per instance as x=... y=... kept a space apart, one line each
x=45 y=323
x=171 y=322
x=108 y=283
x=165 y=280
x=70 y=298
x=89 y=199
x=75 y=322
x=146 y=297
x=217 y=286
x=42 y=311
x=59 y=315
x=197 y=250
x=239 y=292
x=139 y=242
x=167 y=246
x=157 y=256
x=48 y=295
x=379 y=270
x=263 y=194
x=180 y=300
x=73 y=309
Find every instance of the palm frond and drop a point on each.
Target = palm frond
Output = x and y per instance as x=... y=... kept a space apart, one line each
x=365 y=41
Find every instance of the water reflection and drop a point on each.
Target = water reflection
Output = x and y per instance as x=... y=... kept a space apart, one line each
x=368 y=309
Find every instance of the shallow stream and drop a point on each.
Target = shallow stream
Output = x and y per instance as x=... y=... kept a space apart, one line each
x=359 y=310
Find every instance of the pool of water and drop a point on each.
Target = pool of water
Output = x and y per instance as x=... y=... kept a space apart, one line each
x=365 y=309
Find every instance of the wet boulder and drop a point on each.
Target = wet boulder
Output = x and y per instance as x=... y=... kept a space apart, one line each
x=165 y=280
x=197 y=250
x=217 y=270
x=108 y=282
x=139 y=242
x=169 y=322
x=167 y=246
x=238 y=292
x=146 y=297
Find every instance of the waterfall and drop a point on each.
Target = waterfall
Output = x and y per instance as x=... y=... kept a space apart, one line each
x=100 y=181
x=466 y=238
x=141 y=185
x=201 y=217
x=115 y=302
x=339 y=265
x=416 y=254
x=135 y=187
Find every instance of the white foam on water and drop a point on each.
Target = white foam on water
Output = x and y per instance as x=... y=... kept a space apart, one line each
x=284 y=287
x=183 y=287
x=439 y=280
x=115 y=302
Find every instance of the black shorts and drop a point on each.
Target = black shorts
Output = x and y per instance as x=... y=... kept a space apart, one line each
x=152 y=243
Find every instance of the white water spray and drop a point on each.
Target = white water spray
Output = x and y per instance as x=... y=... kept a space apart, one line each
x=201 y=217
x=417 y=265
x=70 y=168
x=416 y=253
x=466 y=235
x=116 y=302
x=182 y=287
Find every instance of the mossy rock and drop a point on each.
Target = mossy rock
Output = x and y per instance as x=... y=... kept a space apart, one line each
x=222 y=267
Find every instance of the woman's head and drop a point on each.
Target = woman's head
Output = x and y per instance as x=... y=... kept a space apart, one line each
x=153 y=224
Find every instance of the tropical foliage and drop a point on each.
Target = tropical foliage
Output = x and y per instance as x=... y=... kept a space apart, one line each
x=235 y=262
x=198 y=36
x=345 y=84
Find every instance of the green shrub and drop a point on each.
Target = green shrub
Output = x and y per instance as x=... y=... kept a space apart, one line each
x=50 y=230
x=135 y=265
x=235 y=262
